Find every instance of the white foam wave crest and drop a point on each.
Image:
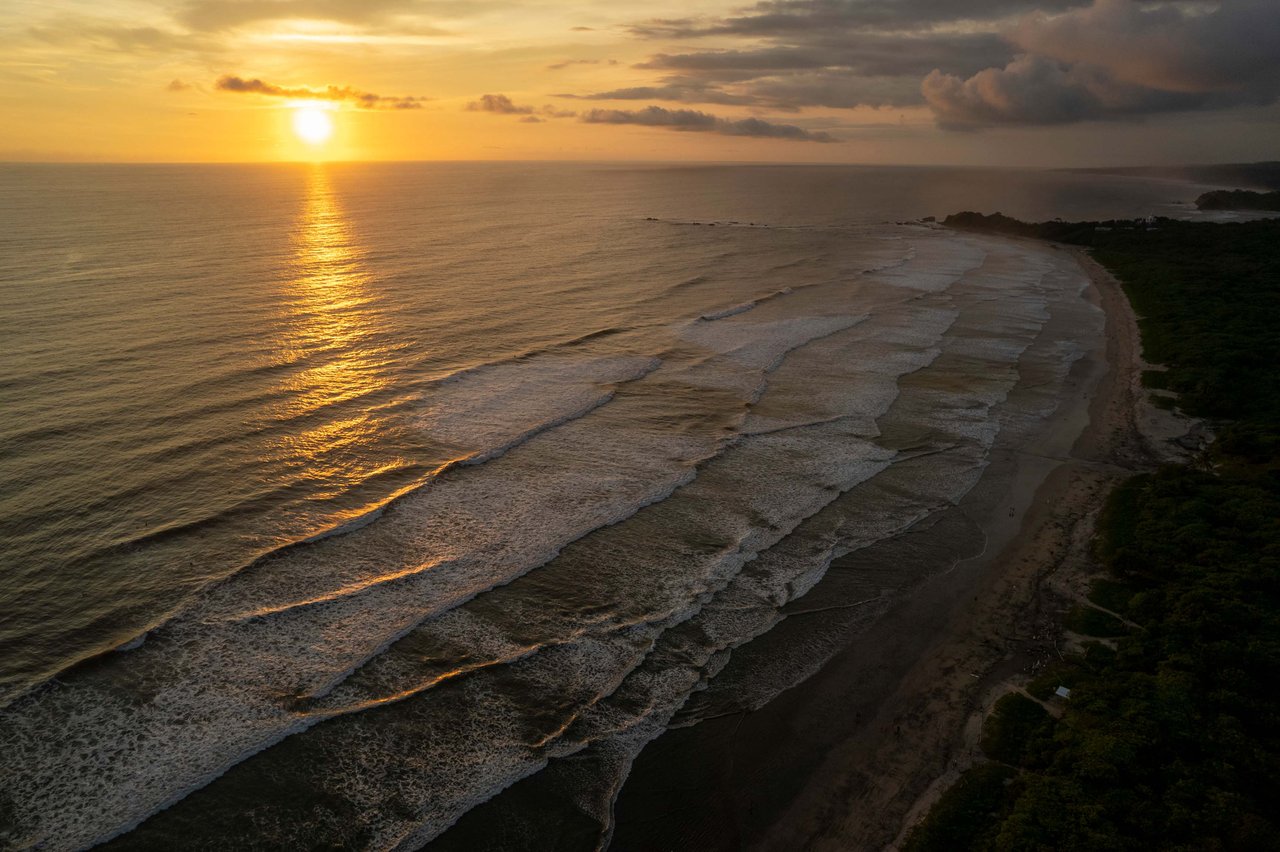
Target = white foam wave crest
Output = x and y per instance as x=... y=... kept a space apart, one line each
x=524 y=714
x=487 y=410
x=742 y=308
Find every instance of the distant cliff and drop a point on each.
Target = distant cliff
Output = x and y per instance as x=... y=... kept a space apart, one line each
x=1238 y=199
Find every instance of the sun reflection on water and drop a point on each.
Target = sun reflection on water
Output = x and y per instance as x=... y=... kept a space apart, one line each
x=332 y=404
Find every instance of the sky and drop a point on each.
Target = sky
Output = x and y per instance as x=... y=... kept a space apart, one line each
x=972 y=82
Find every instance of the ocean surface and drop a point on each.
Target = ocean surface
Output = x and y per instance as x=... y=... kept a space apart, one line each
x=335 y=499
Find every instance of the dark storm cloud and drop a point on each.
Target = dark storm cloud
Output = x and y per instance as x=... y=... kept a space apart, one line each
x=785 y=92
x=1233 y=45
x=987 y=62
x=678 y=90
x=797 y=18
x=766 y=59
x=868 y=69
x=822 y=53
x=864 y=54
x=700 y=122
x=363 y=100
x=837 y=89
x=1117 y=60
x=1033 y=90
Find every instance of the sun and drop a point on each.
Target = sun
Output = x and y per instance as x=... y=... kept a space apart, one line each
x=312 y=125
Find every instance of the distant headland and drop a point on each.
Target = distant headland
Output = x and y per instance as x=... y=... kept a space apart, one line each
x=1238 y=199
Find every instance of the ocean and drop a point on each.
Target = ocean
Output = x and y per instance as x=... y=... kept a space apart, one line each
x=335 y=499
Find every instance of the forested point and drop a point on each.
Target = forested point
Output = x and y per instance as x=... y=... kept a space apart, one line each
x=1238 y=199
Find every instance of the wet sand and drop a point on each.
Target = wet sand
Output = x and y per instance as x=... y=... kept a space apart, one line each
x=842 y=760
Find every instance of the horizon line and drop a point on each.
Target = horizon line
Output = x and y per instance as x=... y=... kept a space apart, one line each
x=603 y=161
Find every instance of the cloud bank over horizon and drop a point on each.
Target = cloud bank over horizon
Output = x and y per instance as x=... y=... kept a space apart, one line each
x=975 y=65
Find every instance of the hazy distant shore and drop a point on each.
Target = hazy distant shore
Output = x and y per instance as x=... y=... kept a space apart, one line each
x=1264 y=175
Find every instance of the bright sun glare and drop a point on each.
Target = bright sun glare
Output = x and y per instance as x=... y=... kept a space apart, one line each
x=312 y=125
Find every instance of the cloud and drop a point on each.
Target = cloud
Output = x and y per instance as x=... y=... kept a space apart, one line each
x=1232 y=45
x=786 y=92
x=179 y=86
x=362 y=100
x=835 y=88
x=500 y=104
x=701 y=122
x=767 y=59
x=503 y=105
x=977 y=63
x=1118 y=60
x=567 y=62
x=823 y=67
x=778 y=19
x=679 y=90
x=861 y=54
x=1033 y=90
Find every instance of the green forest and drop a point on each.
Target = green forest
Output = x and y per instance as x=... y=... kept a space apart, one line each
x=1171 y=738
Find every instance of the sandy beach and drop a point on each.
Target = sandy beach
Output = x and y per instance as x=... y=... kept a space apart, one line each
x=850 y=758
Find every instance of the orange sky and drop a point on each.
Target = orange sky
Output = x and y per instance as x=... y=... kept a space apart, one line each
x=131 y=80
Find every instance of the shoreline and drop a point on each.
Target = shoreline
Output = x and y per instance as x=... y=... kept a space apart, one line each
x=1132 y=436
x=851 y=757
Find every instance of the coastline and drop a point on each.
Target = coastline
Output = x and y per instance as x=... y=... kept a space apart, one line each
x=1125 y=432
x=968 y=350
x=850 y=758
